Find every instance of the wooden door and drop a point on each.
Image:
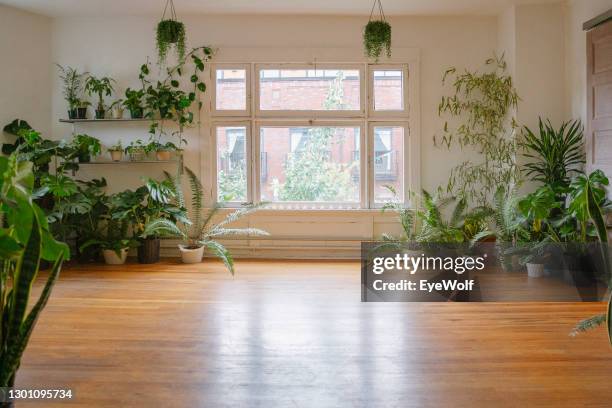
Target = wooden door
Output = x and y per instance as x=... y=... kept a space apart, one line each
x=599 y=98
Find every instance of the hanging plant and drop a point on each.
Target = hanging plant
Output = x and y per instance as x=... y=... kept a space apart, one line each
x=170 y=32
x=377 y=34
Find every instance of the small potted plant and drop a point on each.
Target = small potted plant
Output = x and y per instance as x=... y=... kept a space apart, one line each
x=85 y=147
x=116 y=109
x=134 y=102
x=116 y=151
x=100 y=87
x=163 y=152
x=162 y=98
x=136 y=150
x=154 y=216
x=82 y=109
x=112 y=232
x=72 y=89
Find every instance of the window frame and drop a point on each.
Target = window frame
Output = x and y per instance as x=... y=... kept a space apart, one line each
x=376 y=114
x=407 y=171
x=310 y=205
x=248 y=156
x=230 y=112
x=404 y=59
x=314 y=114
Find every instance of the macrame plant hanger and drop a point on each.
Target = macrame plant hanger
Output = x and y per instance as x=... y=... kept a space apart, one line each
x=380 y=11
x=172 y=10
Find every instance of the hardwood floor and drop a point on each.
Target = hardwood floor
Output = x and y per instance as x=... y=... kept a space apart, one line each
x=294 y=334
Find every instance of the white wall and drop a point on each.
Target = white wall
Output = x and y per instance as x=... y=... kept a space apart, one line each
x=119 y=46
x=25 y=75
x=578 y=12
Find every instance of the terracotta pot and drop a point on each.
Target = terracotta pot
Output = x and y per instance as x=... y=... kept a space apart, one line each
x=163 y=155
x=148 y=251
x=111 y=257
x=116 y=155
x=190 y=254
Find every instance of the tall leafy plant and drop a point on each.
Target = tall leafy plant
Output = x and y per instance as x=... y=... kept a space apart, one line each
x=586 y=196
x=73 y=82
x=554 y=154
x=482 y=104
x=25 y=240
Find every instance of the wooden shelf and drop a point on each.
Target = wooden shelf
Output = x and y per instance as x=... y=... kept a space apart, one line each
x=129 y=162
x=107 y=120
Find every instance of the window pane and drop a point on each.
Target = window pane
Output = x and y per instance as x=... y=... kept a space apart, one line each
x=231 y=164
x=388 y=163
x=388 y=90
x=231 y=89
x=309 y=89
x=310 y=164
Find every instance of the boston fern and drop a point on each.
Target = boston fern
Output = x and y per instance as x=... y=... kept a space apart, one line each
x=201 y=230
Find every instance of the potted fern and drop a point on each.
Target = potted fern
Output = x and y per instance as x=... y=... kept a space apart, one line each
x=201 y=232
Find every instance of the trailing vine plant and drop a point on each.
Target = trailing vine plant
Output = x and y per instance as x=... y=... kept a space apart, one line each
x=483 y=105
x=178 y=102
x=170 y=32
x=377 y=34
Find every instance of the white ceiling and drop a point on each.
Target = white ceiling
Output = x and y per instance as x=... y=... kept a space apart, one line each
x=60 y=8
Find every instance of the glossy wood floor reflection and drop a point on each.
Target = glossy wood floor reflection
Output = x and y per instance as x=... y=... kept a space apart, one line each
x=294 y=334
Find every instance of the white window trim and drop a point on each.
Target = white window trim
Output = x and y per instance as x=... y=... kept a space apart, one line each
x=308 y=56
x=312 y=114
x=249 y=158
x=213 y=91
x=403 y=113
x=362 y=203
x=406 y=162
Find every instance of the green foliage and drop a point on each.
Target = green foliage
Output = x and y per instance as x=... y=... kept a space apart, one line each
x=483 y=104
x=73 y=83
x=232 y=184
x=134 y=101
x=376 y=37
x=554 y=154
x=310 y=175
x=100 y=87
x=170 y=33
x=199 y=228
x=461 y=227
x=86 y=146
x=24 y=242
x=406 y=216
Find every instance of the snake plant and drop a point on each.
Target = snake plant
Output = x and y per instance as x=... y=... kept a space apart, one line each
x=24 y=243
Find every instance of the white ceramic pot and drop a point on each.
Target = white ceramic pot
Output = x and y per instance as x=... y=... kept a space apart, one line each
x=117 y=112
x=190 y=255
x=116 y=155
x=111 y=257
x=535 y=270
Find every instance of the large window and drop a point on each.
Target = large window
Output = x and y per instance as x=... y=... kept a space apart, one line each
x=324 y=136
